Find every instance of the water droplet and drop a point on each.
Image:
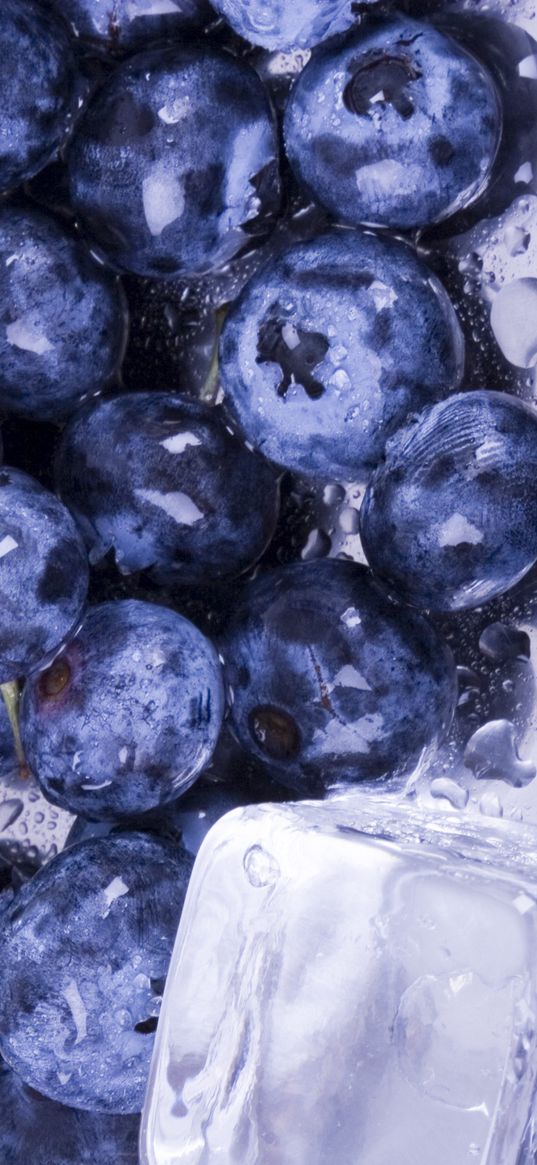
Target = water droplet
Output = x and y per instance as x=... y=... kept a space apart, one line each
x=349 y=520
x=317 y=546
x=445 y=787
x=501 y=643
x=260 y=866
x=491 y=753
x=9 y=811
x=332 y=494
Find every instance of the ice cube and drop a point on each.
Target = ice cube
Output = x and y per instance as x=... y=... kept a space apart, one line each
x=353 y=982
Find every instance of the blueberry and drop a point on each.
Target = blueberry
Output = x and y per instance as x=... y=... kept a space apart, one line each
x=161 y=480
x=38 y=1130
x=84 y=949
x=173 y=167
x=43 y=574
x=331 y=345
x=127 y=715
x=398 y=126
x=276 y=24
x=329 y=681
x=62 y=318
x=449 y=520
x=129 y=24
x=37 y=88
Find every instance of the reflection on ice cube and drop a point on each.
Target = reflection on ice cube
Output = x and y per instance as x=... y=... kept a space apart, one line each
x=353 y=982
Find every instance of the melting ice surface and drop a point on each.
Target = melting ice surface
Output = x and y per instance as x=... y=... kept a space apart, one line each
x=368 y=994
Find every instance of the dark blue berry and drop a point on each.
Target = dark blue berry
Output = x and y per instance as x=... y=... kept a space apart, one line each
x=450 y=518
x=160 y=480
x=128 y=24
x=37 y=88
x=43 y=574
x=84 y=950
x=277 y=24
x=329 y=348
x=38 y=1130
x=329 y=680
x=398 y=126
x=127 y=715
x=62 y=318
x=174 y=166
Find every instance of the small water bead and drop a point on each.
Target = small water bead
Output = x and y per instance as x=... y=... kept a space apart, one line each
x=261 y=867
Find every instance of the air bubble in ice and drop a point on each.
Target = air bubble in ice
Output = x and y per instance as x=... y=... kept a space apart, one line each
x=491 y=754
x=446 y=1028
x=260 y=866
x=501 y=643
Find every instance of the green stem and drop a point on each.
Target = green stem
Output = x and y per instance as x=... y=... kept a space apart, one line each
x=210 y=388
x=11 y=697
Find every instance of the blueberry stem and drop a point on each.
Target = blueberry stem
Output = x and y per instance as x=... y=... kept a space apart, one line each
x=11 y=697
x=210 y=388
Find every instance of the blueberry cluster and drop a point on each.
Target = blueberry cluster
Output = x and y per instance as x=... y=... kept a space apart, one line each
x=175 y=637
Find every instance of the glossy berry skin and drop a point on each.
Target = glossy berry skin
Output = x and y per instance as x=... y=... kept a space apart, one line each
x=330 y=347
x=329 y=681
x=449 y=520
x=397 y=126
x=173 y=167
x=43 y=574
x=85 y=948
x=276 y=24
x=127 y=715
x=132 y=24
x=159 y=479
x=63 y=319
x=37 y=89
x=38 y=1130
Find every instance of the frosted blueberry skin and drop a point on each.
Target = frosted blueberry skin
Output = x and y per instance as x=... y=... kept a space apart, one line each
x=405 y=159
x=449 y=520
x=37 y=89
x=280 y=25
x=159 y=479
x=127 y=715
x=174 y=166
x=85 y=949
x=329 y=681
x=38 y=1130
x=330 y=347
x=127 y=25
x=43 y=574
x=63 y=319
